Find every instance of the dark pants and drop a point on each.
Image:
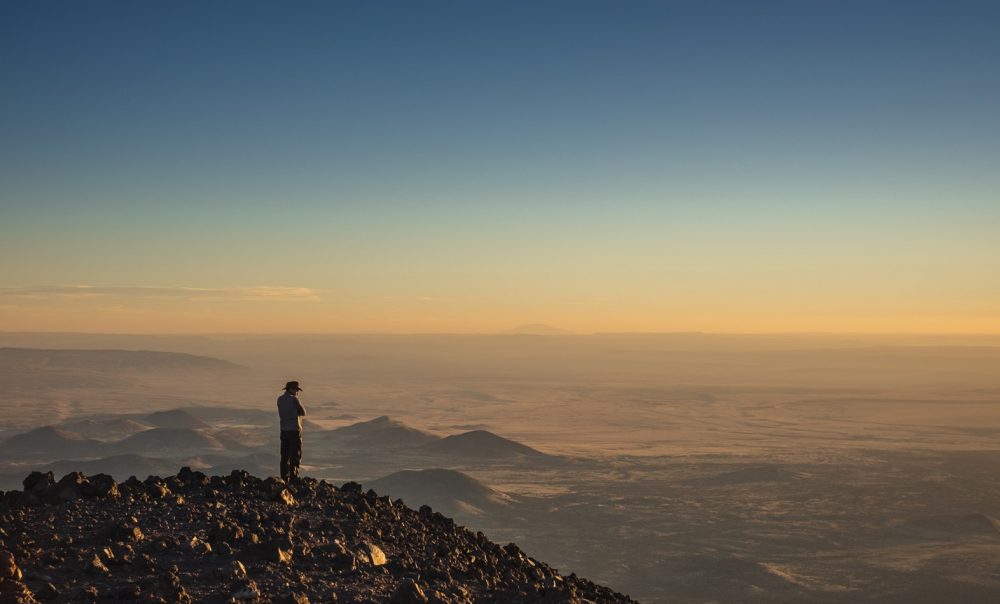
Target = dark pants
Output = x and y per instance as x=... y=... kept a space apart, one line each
x=291 y=453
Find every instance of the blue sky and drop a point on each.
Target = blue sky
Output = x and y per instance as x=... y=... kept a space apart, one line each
x=416 y=150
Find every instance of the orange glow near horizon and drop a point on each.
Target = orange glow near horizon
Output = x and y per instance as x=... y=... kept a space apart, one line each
x=421 y=317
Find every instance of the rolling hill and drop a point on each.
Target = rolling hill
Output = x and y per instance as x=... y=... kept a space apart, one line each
x=174 y=418
x=449 y=491
x=482 y=445
x=169 y=441
x=380 y=432
x=111 y=361
x=50 y=442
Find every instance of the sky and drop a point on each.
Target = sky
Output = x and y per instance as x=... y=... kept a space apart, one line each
x=369 y=166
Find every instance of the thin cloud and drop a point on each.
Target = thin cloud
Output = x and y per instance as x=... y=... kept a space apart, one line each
x=85 y=292
x=414 y=299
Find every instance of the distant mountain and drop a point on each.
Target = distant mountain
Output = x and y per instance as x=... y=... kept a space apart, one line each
x=380 y=432
x=536 y=329
x=236 y=439
x=481 y=444
x=170 y=441
x=174 y=418
x=307 y=424
x=102 y=360
x=110 y=428
x=216 y=415
x=447 y=491
x=50 y=442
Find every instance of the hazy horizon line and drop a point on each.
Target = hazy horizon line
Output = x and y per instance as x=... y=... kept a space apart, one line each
x=501 y=333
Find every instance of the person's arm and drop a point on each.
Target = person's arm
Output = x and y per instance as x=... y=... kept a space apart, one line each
x=302 y=410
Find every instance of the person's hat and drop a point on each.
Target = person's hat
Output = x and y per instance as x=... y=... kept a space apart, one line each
x=292 y=386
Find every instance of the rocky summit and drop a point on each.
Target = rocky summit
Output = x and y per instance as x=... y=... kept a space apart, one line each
x=238 y=538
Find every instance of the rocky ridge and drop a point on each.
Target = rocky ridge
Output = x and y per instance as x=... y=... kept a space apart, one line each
x=238 y=538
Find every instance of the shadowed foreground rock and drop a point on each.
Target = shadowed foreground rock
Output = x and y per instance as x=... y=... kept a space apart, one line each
x=237 y=538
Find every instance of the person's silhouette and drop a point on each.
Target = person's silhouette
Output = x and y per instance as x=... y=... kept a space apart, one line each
x=290 y=412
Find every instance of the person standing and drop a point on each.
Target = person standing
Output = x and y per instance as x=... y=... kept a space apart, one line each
x=290 y=412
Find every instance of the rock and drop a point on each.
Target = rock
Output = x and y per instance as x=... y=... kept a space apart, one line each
x=245 y=590
x=237 y=479
x=170 y=589
x=319 y=542
x=12 y=588
x=121 y=531
x=282 y=556
x=124 y=553
x=344 y=562
x=378 y=557
x=8 y=567
x=157 y=491
x=191 y=478
x=409 y=592
x=107 y=555
x=285 y=496
x=237 y=570
x=199 y=547
x=38 y=483
x=228 y=533
x=100 y=485
x=439 y=597
x=96 y=566
x=374 y=553
x=129 y=591
x=69 y=487
x=47 y=592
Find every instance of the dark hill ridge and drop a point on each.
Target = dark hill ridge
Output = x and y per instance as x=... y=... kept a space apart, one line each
x=49 y=440
x=227 y=415
x=105 y=428
x=191 y=537
x=448 y=490
x=35 y=359
x=380 y=432
x=482 y=444
x=174 y=418
x=167 y=440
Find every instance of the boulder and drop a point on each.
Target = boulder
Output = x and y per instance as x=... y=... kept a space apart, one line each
x=245 y=590
x=170 y=589
x=37 y=482
x=409 y=592
x=96 y=566
x=121 y=531
x=12 y=587
x=156 y=488
x=282 y=556
x=70 y=487
x=371 y=553
x=100 y=485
